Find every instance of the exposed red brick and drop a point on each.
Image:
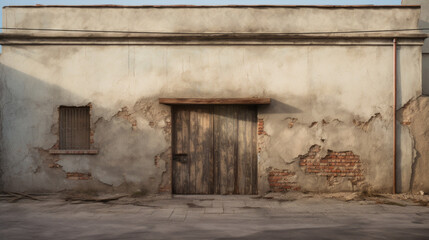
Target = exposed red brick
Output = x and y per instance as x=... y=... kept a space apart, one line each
x=261 y=127
x=76 y=152
x=282 y=181
x=334 y=164
x=78 y=176
x=406 y=122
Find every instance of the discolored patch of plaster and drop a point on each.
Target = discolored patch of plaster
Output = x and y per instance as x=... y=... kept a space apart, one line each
x=291 y=121
x=134 y=148
x=125 y=114
x=50 y=160
x=126 y=154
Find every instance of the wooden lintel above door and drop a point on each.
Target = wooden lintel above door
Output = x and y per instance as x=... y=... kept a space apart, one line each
x=223 y=101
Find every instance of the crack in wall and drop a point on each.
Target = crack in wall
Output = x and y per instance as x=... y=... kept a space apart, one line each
x=165 y=183
x=415 y=153
x=364 y=125
x=414 y=166
x=407 y=115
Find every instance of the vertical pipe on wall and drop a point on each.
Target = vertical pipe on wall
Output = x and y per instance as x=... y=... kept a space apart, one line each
x=394 y=114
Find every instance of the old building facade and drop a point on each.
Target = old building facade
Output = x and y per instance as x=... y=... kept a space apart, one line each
x=212 y=100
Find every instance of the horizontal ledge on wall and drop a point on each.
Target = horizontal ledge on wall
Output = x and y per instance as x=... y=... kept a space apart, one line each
x=242 y=101
x=74 y=152
x=41 y=38
x=212 y=6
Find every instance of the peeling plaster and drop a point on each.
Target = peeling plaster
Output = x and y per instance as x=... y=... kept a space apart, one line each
x=127 y=153
x=331 y=133
x=364 y=125
x=291 y=121
x=123 y=113
x=312 y=124
x=336 y=166
x=413 y=117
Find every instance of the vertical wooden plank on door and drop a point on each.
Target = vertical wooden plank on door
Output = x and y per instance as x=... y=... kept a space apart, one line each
x=254 y=163
x=220 y=141
x=246 y=156
x=201 y=150
x=216 y=151
x=225 y=124
x=242 y=156
x=180 y=146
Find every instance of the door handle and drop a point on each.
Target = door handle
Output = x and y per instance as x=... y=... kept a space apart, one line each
x=180 y=157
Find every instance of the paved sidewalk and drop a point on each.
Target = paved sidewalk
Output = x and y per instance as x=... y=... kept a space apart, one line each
x=211 y=217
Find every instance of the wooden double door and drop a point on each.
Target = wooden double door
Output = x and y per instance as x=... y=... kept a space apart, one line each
x=214 y=149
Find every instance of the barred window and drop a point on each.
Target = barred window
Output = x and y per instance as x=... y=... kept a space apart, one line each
x=74 y=126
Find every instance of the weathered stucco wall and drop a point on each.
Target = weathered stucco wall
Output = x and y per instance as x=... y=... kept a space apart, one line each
x=325 y=99
x=425 y=74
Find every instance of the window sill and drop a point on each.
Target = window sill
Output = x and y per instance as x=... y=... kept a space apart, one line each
x=74 y=152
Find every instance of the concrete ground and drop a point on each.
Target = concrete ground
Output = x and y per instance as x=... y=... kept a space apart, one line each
x=211 y=217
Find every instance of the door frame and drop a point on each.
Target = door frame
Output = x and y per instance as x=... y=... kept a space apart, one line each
x=213 y=101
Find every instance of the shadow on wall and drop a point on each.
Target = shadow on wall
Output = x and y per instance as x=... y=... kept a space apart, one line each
x=425 y=74
x=29 y=128
x=278 y=107
x=425 y=59
x=399 y=160
x=1 y=122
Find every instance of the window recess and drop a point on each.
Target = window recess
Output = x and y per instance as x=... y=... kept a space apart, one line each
x=74 y=131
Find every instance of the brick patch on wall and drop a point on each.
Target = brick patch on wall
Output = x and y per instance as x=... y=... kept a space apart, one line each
x=282 y=181
x=333 y=165
x=78 y=176
x=261 y=127
x=164 y=189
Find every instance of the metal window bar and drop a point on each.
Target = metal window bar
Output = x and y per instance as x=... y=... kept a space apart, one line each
x=74 y=126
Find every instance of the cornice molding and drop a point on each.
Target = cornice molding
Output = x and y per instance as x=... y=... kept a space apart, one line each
x=210 y=39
